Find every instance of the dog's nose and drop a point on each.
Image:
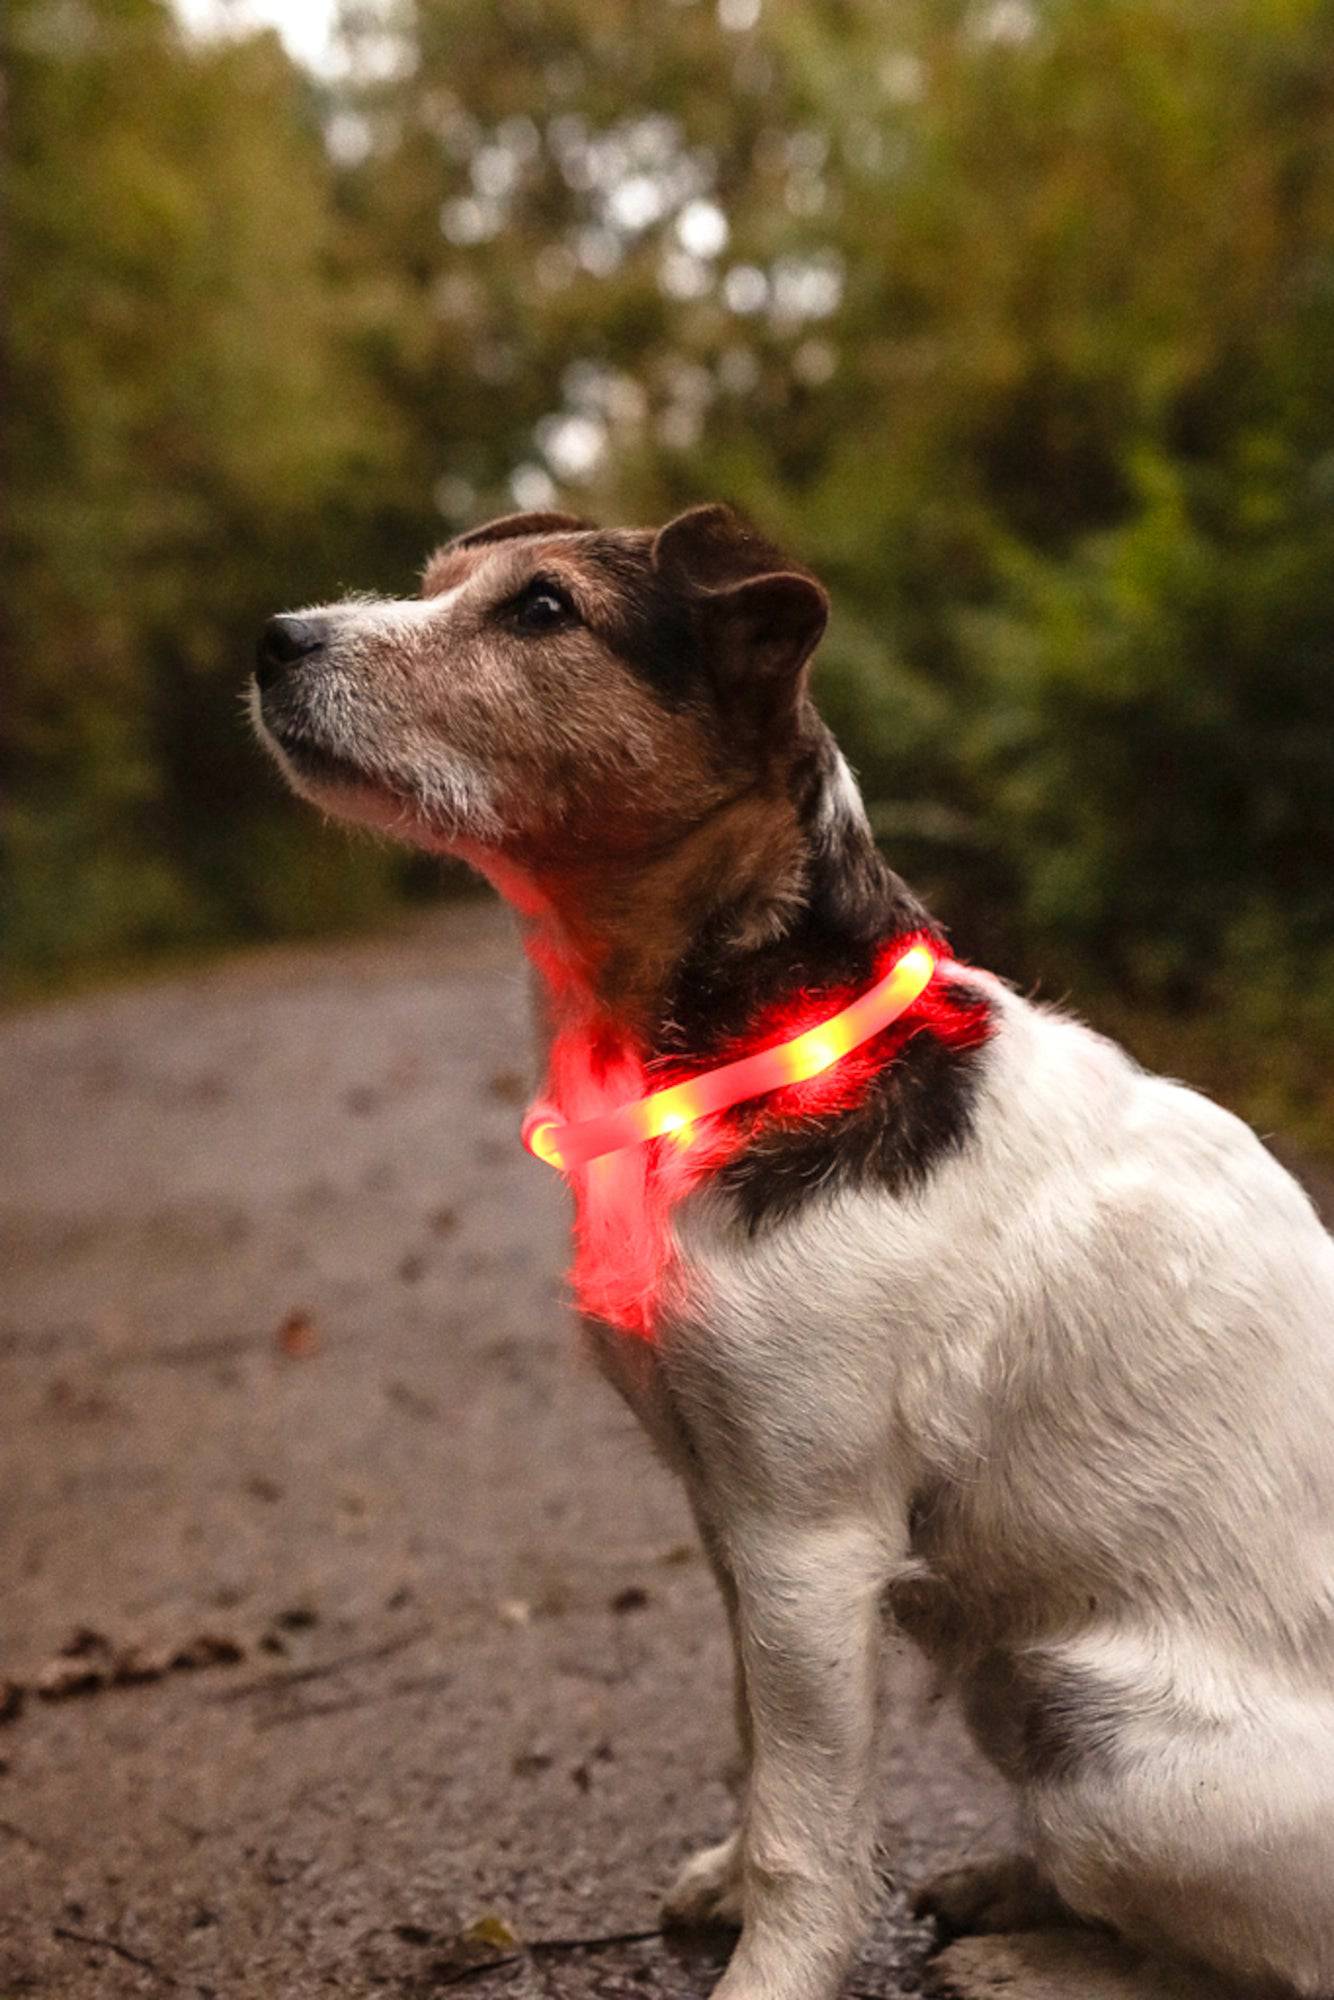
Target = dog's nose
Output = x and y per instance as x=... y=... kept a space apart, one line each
x=283 y=641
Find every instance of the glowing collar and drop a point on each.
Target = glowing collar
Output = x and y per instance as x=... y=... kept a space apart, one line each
x=793 y=1061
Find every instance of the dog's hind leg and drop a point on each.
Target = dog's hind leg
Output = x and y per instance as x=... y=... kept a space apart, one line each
x=1004 y=1893
x=1212 y=1839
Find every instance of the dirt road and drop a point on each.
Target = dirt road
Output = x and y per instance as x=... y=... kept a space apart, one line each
x=285 y=1372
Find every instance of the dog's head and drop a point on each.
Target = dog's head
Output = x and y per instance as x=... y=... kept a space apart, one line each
x=556 y=694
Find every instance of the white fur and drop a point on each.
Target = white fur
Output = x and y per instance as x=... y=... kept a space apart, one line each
x=842 y=804
x=1105 y=1330
x=412 y=784
x=387 y=617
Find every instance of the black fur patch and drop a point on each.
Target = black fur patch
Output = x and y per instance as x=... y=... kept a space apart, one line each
x=652 y=630
x=911 y=1091
x=1039 y=1719
x=658 y=627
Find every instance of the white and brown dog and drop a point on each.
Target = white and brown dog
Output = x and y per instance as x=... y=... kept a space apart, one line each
x=985 y=1327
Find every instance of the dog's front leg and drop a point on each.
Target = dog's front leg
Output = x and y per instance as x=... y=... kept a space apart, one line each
x=807 y=1621
x=708 y=1888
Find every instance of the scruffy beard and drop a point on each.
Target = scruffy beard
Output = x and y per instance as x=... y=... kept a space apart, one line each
x=445 y=805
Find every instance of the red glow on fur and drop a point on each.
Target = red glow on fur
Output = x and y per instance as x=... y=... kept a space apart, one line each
x=624 y=1251
x=959 y=1024
x=623 y=1201
x=773 y=1064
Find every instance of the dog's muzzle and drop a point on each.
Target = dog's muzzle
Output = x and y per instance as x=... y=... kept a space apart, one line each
x=284 y=643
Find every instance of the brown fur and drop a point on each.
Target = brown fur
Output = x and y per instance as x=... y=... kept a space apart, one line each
x=641 y=756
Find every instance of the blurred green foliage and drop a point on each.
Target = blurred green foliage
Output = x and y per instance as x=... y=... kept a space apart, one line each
x=1014 y=317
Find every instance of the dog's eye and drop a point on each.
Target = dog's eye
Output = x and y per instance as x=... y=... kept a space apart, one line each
x=542 y=607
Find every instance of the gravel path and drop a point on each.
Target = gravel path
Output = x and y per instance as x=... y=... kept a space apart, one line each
x=286 y=1375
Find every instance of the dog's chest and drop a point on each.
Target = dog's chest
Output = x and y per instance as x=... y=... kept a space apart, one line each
x=768 y=1360
x=678 y=1349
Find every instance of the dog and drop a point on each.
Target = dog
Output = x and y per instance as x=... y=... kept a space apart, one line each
x=983 y=1330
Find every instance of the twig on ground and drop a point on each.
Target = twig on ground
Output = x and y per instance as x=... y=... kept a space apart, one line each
x=120 y=1950
x=549 y=1948
x=425 y=1684
x=299 y=1676
x=541 y=1945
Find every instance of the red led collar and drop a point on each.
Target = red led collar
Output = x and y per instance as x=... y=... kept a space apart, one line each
x=678 y=1106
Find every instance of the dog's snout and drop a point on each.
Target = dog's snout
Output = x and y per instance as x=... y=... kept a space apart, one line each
x=284 y=640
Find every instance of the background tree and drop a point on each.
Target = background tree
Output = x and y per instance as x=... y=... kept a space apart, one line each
x=186 y=444
x=1016 y=319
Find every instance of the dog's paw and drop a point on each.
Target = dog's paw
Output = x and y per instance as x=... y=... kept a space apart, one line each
x=708 y=1888
x=1004 y=1894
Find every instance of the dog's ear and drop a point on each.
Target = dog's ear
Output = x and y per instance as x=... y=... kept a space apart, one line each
x=714 y=546
x=508 y=526
x=762 y=617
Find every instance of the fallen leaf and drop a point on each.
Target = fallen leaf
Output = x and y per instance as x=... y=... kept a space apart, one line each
x=207 y=1649
x=133 y=1666
x=491 y=1930
x=633 y=1598
x=298 y=1337
x=297 y=1618
x=86 y=1643
x=411 y=1400
x=415 y=1934
x=61 y=1679
x=508 y=1086
x=78 y=1400
x=679 y=1552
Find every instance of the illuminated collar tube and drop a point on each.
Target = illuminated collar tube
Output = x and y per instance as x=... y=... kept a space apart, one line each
x=673 y=1110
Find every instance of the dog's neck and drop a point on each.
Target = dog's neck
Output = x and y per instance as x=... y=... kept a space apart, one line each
x=672 y=955
x=663 y=967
